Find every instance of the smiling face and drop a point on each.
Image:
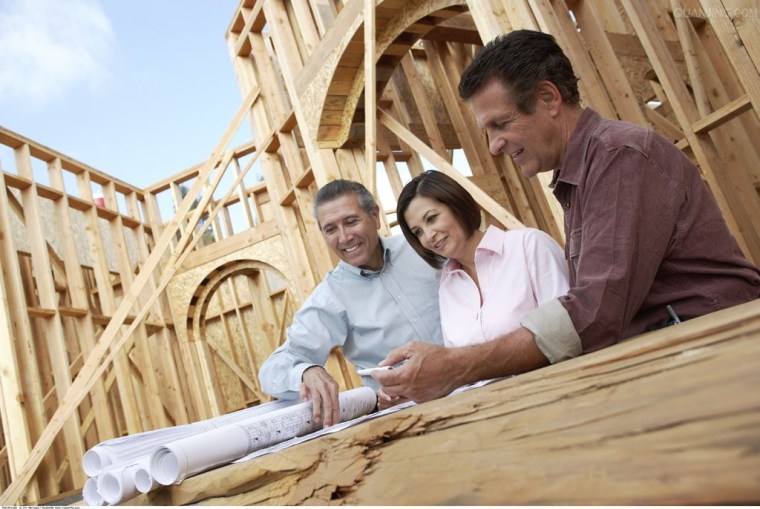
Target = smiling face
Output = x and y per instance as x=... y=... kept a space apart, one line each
x=351 y=232
x=534 y=141
x=437 y=228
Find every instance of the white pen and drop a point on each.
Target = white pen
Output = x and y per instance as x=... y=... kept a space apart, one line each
x=369 y=371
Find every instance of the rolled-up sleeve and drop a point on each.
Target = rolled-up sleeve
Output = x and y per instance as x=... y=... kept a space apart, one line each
x=553 y=331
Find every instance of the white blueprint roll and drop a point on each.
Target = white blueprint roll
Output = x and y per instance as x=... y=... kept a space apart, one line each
x=182 y=458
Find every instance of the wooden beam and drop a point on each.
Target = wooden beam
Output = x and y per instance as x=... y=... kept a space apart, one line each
x=722 y=115
x=13 y=411
x=107 y=300
x=420 y=96
x=736 y=197
x=739 y=38
x=155 y=416
x=107 y=345
x=171 y=387
x=370 y=96
x=235 y=367
x=248 y=339
x=553 y=18
x=48 y=299
x=489 y=204
x=40 y=151
x=613 y=76
x=490 y=17
x=696 y=74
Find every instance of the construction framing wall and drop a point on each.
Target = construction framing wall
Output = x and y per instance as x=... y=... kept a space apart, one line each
x=116 y=320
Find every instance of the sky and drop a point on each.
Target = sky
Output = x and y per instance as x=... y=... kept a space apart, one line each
x=138 y=89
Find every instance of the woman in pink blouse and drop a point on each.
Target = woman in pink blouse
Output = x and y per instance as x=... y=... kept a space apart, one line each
x=490 y=278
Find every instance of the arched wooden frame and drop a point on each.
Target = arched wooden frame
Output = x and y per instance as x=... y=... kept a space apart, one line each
x=346 y=76
x=196 y=314
x=201 y=297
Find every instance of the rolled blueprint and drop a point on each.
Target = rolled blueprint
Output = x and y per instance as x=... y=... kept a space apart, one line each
x=144 y=482
x=90 y=494
x=117 y=484
x=188 y=456
x=124 y=450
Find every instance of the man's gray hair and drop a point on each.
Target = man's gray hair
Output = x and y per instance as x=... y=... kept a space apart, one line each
x=337 y=188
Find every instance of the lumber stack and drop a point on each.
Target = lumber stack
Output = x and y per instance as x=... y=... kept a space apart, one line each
x=162 y=303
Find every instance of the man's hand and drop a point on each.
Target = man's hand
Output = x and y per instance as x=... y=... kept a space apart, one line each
x=384 y=401
x=427 y=373
x=322 y=390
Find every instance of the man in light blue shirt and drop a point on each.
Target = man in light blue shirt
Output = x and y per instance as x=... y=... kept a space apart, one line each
x=381 y=295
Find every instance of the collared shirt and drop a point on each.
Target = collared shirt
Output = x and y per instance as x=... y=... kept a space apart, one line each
x=643 y=231
x=365 y=313
x=517 y=270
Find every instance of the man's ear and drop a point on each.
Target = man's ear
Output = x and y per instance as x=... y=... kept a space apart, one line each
x=376 y=216
x=548 y=95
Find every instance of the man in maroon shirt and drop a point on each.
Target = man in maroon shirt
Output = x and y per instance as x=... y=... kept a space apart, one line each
x=645 y=240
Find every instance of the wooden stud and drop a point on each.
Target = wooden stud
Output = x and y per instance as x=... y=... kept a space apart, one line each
x=617 y=84
x=154 y=416
x=98 y=359
x=422 y=102
x=53 y=328
x=170 y=386
x=738 y=204
x=370 y=97
x=246 y=340
x=107 y=301
x=15 y=346
x=79 y=299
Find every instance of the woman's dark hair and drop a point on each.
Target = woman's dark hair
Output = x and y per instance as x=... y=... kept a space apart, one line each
x=520 y=60
x=442 y=188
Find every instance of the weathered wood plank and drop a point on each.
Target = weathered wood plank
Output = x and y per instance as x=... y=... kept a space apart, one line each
x=664 y=418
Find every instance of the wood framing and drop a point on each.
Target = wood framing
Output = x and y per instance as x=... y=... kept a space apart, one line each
x=161 y=304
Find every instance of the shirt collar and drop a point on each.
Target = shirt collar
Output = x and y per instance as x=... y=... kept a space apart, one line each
x=572 y=168
x=492 y=241
x=358 y=271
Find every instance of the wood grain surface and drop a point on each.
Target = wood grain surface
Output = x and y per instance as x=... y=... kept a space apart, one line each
x=670 y=417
